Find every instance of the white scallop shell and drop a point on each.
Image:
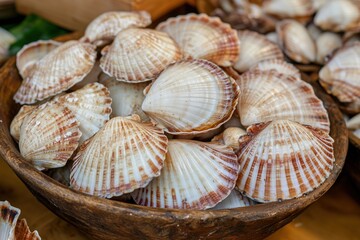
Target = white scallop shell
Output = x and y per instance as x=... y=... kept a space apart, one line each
x=139 y=55
x=234 y=200
x=58 y=71
x=123 y=156
x=269 y=96
x=104 y=28
x=283 y=160
x=278 y=65
x=6 y=39
x=49 y=136
x=8 y=218
x=288 y=8
x=18 y=120
x=91 y=106
x=201 y=36
x=196 y=175
x=326 y=43
x=191 y=96
x=254 y=49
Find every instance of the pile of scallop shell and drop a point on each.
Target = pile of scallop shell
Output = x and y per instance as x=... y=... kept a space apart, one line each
x=159 y=116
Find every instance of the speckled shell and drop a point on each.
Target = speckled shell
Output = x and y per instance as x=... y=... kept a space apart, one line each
x=103 y=29
x=254 y=49
x=127 y=98
x=326 y=43
x=123 y=156
x=8 y=218
x=288 y=8
x=191 y=96
x=230 y=137
x=234 y=200
x=296 y=42
x=341 y=75
x=196 y=175
x=22 y=231
x=139 y=55
x=283 y=160
x=337 y=15
x=31 y=53
x=278 y=65
x=201 y=36
x=58 y=71
x=18 y=120
x=49 y=136
x=91 y=106
x=268 y=96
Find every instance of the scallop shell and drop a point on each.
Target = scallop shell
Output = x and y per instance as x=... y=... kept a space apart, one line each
x=139 y=55
x=283 y=160
x=196 y=175
x=191 y=96
x=22 y=232
x=278 y=65
x=337 y=16
x=234 y=200
x=91 y=106
x=6 y=39
x=201 y=36
x=31 y=53
x=58 y=71
x=104 y=28
x=268 y=96
x=230 y=137
x=296 y=42
x=49 y=136
x=326 y=43
x=254 y=49
x=8 y=218
x=288 y=8
x=354 y=122
x=123 y=156
x=341 y=75
x=18 y=120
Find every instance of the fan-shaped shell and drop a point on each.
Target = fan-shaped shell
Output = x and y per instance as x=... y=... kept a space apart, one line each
x=337 y=15
x=254 y=49
x=341 y=75
x=326 y=43
x=288 y=8
x=283 y=160
x=196 y=175
x=296 y=42
x=201 y=36
x=278 y=65
x=123 y=156
x=139 y=55
x=22 y=232
x=234 y=200
x=191 y=96
x=18 y=120
x=30 y=53
x=58 y=71
x=269 y=96
x=91 y=106
x=104 y=28
x=8 y=218
x=49 y=136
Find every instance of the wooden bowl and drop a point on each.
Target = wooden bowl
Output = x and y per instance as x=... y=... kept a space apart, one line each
x=107 y=219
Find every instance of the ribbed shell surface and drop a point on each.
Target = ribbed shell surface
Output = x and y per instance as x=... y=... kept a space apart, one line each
x=234 y=200
x=283 y=160
x=196 y=175
x=8 y=218
x=201 y=36
x=278 y=65
x=123 y=156
x=191 y=96
x=22 y=231
x=18 y=120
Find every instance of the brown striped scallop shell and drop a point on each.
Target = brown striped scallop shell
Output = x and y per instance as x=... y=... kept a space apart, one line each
x=201 y=36
x=123 y=156
x=282 y=160
x=22 y=231
x=18 y=120
x=196 y=175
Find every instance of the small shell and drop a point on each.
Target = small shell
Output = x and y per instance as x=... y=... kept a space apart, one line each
x=91 y=106
x=31 y=53
x=191 y=96
x=296 y=42
x=234 y=200
x=337 y=15
x=127 y=98
x=196 y=175
x=6 y=39
x=201 y=36
x=354 y=122
x=103 y=29
x=22 y=232
x=18 y=120
x=123 y=156
x=254 y=49
x=139 y=55
x=49 y=136
x=269 y=96
x=8 y=218
x=58 y=71
x=288 y=8
x=230 y=137
x=326 y=44
x=341 y=75
x=283 y=160
x=278 y=65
